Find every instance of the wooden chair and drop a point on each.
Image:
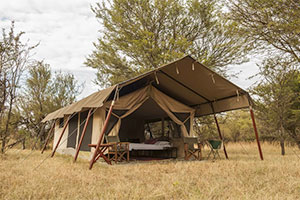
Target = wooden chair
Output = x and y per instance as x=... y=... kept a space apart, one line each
x=190 y=149
x=118 y=150
x=214 y=145
x=101 y=152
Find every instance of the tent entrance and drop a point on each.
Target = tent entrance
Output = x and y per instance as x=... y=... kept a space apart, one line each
x=134 y=125
x=146 y=127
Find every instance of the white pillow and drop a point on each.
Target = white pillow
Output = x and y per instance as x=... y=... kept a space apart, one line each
x=162 y=143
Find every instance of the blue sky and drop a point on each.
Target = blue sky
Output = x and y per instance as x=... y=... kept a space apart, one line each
x=66 y=30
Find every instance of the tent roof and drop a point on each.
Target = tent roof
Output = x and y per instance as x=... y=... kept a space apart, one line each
x=195 y=85
x=185 y=80
x=93 y=101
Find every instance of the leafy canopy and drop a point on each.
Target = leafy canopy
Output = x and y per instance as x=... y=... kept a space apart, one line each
x=138 y=36
x=272 y=24
x=43 y=94
x=277 y=99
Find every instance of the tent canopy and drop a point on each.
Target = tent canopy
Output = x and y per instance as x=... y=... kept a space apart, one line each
x=128 y=104
x=185 y=80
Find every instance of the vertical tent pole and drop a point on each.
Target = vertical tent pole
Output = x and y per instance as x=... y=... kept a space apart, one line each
x=61 y=135
x=51 y=132
x=101 y=135
x=163 y=126
x=256 y=134
x=220 y=135
x=82 y=134
x=103 y=129
x=219 y=131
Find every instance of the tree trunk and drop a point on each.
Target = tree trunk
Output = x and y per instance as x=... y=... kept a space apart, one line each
x=23 y=144
x=282 y=147
x=298 y=144
x=3 y=146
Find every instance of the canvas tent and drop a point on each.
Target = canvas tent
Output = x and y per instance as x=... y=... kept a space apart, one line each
x=179 y=91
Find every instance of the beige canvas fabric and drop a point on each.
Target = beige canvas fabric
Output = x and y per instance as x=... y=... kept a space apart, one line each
x=184 y=80
x=195 y=85
x=133 y=101
x=95 y=100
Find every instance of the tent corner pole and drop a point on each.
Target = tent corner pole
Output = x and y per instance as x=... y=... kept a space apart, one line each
x=51 y=132
x=256 y=133
x=82 y=134
x=220 y=135
x=92 y=161
x=61 y=135
x=219 y=131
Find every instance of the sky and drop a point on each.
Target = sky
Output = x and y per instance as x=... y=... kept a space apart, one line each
x=66 y=30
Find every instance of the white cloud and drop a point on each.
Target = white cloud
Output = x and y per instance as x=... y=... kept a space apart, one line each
x=244 y=71
x=66 y=30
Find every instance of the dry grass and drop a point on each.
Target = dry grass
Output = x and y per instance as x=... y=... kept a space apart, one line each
x=244 y=176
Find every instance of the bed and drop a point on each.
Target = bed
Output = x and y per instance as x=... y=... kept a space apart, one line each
x=157 y=146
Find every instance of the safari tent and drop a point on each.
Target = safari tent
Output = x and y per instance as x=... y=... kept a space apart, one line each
x=176 y=92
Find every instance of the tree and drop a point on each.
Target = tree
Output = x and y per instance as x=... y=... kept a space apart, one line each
x=66 y=88
x=270 y=24
x=14 y=59
x=44 y=94
x=138 y=36
x=276 y=101
x=237 y=126
x=293 y=124
x=205 y=128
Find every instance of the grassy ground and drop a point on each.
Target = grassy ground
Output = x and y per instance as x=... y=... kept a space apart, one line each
x=243 y=176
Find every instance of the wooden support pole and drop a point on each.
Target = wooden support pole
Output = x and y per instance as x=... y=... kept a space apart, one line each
x=220 y=135
x=51 y=132
x=163 y=126
x=256 y=134
x=219 y=131
x=82 y=134
x=61 y=135
x=101 y=135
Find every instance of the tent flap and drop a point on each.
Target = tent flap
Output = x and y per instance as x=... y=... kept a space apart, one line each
x=170 y=106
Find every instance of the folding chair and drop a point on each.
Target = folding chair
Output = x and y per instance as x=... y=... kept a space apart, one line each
x=214 y=145
x=190 y=149
x=118 y=150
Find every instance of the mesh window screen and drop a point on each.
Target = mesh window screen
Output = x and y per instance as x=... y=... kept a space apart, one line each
x=181 y=116
x=87 y=139
x=111 y=123
x=119 y=112
x=73 y=129
x=61 y=123
x=187 y=125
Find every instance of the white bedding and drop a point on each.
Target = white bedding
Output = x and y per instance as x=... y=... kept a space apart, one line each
x=160 y=145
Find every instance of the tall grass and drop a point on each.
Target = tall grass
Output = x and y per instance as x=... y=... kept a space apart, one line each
x=243 y=176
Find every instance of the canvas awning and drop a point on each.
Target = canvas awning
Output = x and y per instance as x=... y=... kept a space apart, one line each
x=194 y=85
x=95 y=100
x=184 y=80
